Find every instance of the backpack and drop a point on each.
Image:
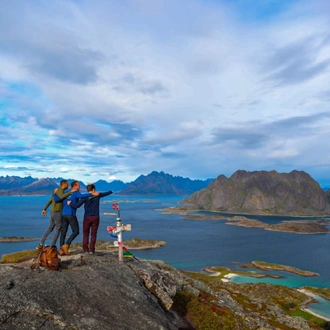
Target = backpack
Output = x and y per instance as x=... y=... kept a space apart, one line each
x=48 y=258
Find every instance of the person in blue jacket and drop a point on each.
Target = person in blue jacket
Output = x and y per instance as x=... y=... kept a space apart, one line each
x=91 y=217
x=69 y=217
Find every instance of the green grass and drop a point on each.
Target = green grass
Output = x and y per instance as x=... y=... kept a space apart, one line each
x=17 y=257
x=311 y=318
x=203 y=313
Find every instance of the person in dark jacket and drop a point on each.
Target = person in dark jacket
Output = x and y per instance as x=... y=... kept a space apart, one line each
x=91 y=217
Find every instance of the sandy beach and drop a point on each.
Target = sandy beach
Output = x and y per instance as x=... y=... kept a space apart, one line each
x=307 y=309
x=315 y=314
x=228 y=277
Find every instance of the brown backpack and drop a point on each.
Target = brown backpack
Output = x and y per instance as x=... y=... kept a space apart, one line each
x=48 y=258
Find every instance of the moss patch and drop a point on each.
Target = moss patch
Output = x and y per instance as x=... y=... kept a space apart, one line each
x=17 y=257
x=202 y=313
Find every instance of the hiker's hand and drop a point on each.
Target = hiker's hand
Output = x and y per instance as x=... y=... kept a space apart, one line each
x=95 y=193
x=55 y=190
x=44 y=212
x=68 y=202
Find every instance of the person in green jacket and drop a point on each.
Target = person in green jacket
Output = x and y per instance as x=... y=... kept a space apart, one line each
x=56 y=214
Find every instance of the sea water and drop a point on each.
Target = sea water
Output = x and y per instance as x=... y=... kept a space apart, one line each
x=191 y=245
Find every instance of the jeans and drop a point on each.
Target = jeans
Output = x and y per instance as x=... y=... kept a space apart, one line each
x=55 y=222
x=90 y=224
x=73 y=222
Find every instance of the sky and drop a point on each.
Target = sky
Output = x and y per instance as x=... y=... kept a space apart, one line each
x=112 y=89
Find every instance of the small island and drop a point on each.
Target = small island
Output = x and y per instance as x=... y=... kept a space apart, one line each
x=131 y=244
x=269 y=266
x=15 y=239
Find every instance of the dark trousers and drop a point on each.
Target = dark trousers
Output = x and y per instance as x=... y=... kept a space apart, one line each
x=55 y=222
x=72 y=221
x=91 y=224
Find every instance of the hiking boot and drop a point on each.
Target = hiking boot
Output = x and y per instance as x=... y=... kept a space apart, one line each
x=61 y=253
x=65 y=248
x=39 y=247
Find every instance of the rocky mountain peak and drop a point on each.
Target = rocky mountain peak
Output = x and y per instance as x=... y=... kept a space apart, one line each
x=263 y=192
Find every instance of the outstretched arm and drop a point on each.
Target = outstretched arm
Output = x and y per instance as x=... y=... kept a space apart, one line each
x=78 y=194
x=107 y=193
x=80 y=202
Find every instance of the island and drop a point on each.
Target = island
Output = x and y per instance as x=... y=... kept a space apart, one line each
x=290 y=226
x=270 y=266
x=131 y=244
x=15 y=239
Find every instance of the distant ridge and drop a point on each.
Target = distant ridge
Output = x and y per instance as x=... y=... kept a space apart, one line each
x=160 y=183
x=115 y=185
x=155 y=183
x=262 y=192
x=13 y=185
x=15 y=182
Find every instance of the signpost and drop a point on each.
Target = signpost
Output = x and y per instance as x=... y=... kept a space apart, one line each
x=117 y=231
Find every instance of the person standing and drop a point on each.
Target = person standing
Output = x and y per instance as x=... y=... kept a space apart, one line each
x=55 y=215
x=69 y=217
x=91 y=217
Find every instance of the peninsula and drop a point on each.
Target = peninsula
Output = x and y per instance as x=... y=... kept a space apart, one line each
x=290 y=226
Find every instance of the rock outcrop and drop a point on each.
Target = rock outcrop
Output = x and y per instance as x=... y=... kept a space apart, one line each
x=90 y=292
x=99 y=292
x=262 y=192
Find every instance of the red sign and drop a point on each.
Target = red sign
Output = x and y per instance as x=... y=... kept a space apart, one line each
x=111 y=228
x=115 y=206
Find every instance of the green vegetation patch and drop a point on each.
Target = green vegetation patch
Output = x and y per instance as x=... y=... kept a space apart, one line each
x=17 y=257
x=311 y=318
x=203 y=313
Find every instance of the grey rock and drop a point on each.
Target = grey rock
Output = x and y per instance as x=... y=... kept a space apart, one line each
x=98 y=293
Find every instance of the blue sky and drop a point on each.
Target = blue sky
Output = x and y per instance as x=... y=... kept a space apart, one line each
x=115 y=89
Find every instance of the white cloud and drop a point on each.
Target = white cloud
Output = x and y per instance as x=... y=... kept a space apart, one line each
x=193 y=88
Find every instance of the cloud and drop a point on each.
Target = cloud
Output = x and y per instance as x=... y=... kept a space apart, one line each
x=297 y=62
x=192 y=88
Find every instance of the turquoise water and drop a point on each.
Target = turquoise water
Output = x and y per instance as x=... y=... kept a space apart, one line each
x=191 y=245
x=322 y=308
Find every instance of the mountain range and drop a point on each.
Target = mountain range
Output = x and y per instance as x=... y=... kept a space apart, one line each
x=155 y=183
x=160 y=183
x=258 y=192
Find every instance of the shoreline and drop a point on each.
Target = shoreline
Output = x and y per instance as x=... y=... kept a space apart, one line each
x=186 y=209
x=297 y=224
x=307 y=310
x=228 y=277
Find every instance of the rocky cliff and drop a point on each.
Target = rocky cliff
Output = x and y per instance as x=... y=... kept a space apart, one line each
x=262 y=192
x=98 y=292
